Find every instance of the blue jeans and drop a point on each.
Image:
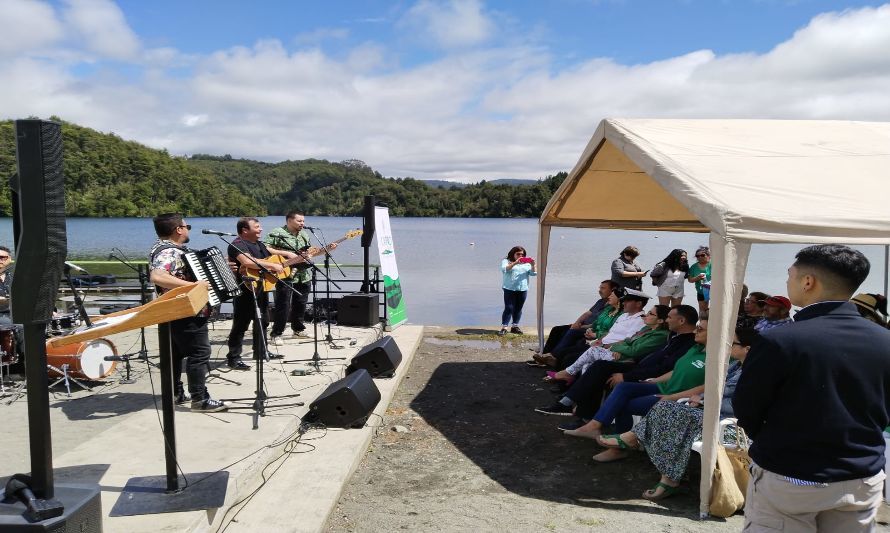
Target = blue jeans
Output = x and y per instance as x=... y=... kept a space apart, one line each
x=513 y=302
x=626 y=400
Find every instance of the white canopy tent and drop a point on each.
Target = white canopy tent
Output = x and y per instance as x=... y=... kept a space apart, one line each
x=741 y=181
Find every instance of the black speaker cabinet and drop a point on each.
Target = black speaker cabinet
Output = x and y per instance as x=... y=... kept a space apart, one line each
x=38 y=209
x=345 y=403
x=380 y=358
x=359 y=309
x=83 y=512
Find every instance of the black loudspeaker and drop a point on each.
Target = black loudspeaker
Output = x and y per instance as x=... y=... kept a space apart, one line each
x=380 y=358
x=38 y=211
x=83 y=513
x=345 y=403
x=359 y=309
x=368 y=222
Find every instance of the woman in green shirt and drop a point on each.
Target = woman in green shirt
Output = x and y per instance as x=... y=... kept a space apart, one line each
x=628 y=399
x=700 y=274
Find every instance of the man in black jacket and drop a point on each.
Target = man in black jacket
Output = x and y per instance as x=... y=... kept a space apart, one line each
x=587 y=391
x=815 y=396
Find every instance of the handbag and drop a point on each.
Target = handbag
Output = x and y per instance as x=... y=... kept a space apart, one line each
x=730 y=481
x=658 y=274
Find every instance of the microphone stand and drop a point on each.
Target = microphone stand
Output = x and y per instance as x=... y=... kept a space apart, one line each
x=259 y=401
x=142 y=272
x=327 y=269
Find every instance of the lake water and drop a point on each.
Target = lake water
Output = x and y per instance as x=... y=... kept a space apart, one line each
x=450 y=267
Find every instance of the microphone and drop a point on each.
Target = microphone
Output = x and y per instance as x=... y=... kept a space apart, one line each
x=117 y=358
x=310 y=228
x=111 y=255
x=75 y=267
x=214 y=232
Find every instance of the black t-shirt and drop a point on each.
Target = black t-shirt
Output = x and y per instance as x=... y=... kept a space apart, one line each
x=257 y=249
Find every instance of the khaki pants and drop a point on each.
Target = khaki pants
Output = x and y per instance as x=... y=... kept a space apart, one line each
x=775 y=504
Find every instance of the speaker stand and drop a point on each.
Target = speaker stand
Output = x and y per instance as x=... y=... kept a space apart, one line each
x=162 y=494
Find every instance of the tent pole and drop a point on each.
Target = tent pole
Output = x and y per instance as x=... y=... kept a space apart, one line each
x=886 y=267
x=728 y=262
x=543 y=248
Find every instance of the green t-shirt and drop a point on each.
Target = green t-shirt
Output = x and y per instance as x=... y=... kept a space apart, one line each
x=695 y=269
x=282 y=239
x=604 y=321
x=689 y=372
x=641 y=344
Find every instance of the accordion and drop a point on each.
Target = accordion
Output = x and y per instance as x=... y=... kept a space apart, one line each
x=211 y=265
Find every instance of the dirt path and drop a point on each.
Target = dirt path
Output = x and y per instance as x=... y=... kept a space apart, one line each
x=472 y=455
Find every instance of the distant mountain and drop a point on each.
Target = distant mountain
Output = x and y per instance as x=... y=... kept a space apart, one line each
x=444 y=184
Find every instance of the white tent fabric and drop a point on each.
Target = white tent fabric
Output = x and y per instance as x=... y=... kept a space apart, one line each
x=742 y=181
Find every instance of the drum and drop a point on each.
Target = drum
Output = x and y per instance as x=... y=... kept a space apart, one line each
x=85 y=360
x=8 y=355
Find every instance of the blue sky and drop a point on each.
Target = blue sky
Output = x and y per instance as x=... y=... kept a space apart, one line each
x=447 y=89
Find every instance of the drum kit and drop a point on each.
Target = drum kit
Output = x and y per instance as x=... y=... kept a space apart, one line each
x=70 y=364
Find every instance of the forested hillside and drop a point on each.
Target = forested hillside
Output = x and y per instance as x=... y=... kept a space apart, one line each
x=106 y=176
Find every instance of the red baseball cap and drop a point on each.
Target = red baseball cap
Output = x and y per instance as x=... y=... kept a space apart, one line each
x=778 y=301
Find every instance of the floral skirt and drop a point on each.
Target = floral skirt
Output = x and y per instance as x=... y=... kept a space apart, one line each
x=668 y=431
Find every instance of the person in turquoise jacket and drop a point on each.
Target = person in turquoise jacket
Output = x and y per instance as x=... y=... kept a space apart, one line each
x=516 y=270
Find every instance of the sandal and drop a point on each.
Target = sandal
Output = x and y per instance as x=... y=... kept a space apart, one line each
x=667 y=492
x=619 y=442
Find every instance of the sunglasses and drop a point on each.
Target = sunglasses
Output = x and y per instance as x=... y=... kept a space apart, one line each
x=700 y=255
x=186 y=226
x=737 y=344
x=4 y=257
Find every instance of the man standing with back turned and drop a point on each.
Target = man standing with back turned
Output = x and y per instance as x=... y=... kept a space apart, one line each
x=814 y=398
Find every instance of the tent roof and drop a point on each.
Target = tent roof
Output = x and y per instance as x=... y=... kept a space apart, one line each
x=756 y=180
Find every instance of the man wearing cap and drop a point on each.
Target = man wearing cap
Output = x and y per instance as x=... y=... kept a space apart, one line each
x=813 y=397
x=872 y=306
x=775 y=313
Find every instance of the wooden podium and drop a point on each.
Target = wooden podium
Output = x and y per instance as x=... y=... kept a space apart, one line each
x=148 y=495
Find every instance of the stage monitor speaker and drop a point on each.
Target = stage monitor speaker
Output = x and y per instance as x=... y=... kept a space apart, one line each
x=83 y=512
x=359 y=309
x=368 y=223
x=381 y=358
x=38 y=209
x=345 y=403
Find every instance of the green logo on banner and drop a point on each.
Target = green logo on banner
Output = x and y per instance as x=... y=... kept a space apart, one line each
x=395 y=306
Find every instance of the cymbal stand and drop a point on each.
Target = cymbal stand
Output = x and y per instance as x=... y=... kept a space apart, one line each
x=328 y=281
x=258 y=332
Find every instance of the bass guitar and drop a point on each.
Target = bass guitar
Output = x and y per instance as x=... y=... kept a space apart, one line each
x=269 y=280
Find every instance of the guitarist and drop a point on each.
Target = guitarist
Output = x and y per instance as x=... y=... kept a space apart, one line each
x=248 y=244
x=291 y=237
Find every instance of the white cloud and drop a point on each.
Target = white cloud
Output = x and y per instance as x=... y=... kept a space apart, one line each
x=26 y=25
x=483 y=112
x=102 y=27
x=451 y=24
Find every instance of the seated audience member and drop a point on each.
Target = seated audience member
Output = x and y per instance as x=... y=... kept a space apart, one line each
x=587 y=391
x=572 y=334
x=753 y=307
x=872 y=306
x=775 y=313
x=650 y=338
x=628 y=399
x=561 y=358
x=669 y=428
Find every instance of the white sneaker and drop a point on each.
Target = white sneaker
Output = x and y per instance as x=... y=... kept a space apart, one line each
x=301 y=334
x=276 y=340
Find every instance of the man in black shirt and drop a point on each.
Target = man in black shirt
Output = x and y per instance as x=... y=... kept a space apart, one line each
x=244 y=250
x=814 y=398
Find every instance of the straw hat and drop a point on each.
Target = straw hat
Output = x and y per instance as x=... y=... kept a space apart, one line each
x=872 y=306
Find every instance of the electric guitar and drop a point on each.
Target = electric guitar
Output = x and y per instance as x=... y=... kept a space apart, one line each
x=269 y=280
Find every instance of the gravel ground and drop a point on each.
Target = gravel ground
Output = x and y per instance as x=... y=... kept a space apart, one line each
x=461 y=449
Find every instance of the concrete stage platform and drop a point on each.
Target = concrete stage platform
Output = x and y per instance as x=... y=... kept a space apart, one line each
x=278 y=480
